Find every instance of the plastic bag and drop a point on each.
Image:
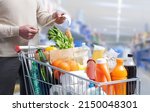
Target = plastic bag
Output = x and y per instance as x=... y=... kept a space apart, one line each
x=111 y=56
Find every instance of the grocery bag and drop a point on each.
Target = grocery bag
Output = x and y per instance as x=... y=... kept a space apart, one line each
x=78 y=54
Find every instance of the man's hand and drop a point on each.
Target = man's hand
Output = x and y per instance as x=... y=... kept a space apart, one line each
x=27 y=32
x=59 y=18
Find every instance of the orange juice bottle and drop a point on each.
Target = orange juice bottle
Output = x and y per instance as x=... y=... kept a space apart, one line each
x=119 y=73
x=103 y=75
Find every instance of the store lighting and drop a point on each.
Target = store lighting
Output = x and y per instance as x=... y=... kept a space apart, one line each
x=119 y=11
x=105 y=4
x=107 y=18
x=114 y=27
x=118 y=20
x=119 y=3
x=108 y=4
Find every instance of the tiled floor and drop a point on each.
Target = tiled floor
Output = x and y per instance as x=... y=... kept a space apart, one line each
x=145 y=81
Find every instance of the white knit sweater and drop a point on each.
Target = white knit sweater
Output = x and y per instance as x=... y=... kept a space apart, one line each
x=15 y=13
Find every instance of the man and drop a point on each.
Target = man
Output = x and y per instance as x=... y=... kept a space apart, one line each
x=19 y=21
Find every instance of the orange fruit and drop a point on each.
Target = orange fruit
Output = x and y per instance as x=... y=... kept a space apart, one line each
x=64 y=66
x=57 y=62
x=73 y=65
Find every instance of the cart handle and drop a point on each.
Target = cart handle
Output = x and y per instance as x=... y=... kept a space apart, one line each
x=19 y=48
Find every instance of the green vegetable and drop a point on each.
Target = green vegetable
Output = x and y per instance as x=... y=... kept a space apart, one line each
x=62 y=41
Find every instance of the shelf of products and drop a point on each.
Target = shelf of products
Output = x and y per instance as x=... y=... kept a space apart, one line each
x=142 y=50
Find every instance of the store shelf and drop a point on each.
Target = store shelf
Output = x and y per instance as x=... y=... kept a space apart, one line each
x=141 y=44
x=143 y=58
x=146 y=60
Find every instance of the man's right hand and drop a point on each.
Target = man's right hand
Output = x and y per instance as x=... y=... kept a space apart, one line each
x=27 y=31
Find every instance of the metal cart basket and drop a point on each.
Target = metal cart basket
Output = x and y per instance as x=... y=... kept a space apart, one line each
x=39 y=79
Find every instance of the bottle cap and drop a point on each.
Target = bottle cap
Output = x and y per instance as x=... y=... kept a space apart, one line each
x=101 y=61
x=91 y=85
x=91 y=60
x=130 y=55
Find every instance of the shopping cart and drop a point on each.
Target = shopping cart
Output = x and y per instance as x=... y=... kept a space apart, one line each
x=40 y=79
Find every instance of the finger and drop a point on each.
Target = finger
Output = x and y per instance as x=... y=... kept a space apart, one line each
x=63 y=17
x=58 y=15
x=34 y=28
x=31 y=27
x=33 y=31
x=31 y=36
x=62 y=14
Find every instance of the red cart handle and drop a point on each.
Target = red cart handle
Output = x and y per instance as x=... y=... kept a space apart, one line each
x=17 y=49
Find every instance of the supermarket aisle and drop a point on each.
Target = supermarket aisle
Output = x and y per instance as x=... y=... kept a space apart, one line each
x=145 y=81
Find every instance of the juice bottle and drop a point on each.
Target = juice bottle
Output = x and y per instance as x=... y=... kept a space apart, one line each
x=131 y=70
x=103 y=75
x=119 y=73
x=98 y=52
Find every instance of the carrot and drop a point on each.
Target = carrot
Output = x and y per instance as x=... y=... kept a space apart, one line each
x=69 y=35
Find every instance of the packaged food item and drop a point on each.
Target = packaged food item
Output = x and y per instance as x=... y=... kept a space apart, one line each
x=131 y=71
x=73 y=85
x=78 y=54
x=75 y=89
x=92 y=90
x=68 y=79
x=56 y=90
x=73 y=65
x=103 y=75
x=98 y=52
x=91 y=69
x=111 y=57
x=119 y=73
x=46 y=52
x=42 y=58
x=84 y=46
x=35 y=75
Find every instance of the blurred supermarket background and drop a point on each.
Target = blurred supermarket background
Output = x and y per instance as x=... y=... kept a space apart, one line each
x=119 y=24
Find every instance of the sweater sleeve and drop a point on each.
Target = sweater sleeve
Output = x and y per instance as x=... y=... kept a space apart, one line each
x=43 y=16
x=8 y=31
